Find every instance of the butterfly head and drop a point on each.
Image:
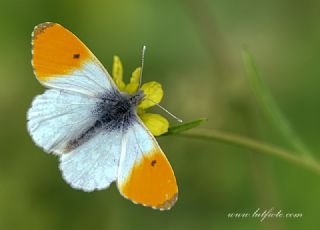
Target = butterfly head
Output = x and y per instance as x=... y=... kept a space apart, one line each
x=136 y=98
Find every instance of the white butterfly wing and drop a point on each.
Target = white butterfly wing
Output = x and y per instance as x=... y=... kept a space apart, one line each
x=58 y=116
x=94 y=164
x=89 y=80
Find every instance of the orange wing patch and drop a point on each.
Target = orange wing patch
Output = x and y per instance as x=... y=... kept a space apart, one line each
x=56 y=51
x=151 y=182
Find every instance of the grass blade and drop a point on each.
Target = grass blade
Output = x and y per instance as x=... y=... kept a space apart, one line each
x=270 y=107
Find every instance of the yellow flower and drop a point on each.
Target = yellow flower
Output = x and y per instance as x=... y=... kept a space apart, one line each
x=156 y=123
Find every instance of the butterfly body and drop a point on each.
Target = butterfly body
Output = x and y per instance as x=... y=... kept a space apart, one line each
x=118 y=108
x=91 y=126
x=113 y=111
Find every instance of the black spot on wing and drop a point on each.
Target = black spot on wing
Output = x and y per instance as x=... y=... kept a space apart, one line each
x=76 y=56
x=153 y=163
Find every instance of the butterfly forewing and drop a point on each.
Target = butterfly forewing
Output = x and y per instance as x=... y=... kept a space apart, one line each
x=61 y=60
x=145 y=175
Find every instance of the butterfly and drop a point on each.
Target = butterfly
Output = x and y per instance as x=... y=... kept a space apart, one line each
x=91 y=126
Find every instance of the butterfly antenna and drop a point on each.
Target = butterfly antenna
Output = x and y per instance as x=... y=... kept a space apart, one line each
x=142 y=64
x=164 y=109
x=157 y=104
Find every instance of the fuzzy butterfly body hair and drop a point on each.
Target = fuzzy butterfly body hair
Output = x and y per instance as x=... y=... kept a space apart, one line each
x=115 y=111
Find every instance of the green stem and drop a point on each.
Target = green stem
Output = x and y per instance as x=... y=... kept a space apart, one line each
x=256 y=146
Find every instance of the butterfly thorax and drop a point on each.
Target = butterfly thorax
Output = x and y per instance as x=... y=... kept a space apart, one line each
x=114 y=111
x=117 y=109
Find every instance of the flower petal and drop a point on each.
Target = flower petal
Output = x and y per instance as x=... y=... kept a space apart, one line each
x=156 y=123
x=153 y=91
x=132 y=87
x=117 y=72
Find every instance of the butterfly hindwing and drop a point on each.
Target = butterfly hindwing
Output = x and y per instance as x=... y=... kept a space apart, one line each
x=61 y=60
x=94 y=164
x=145 y=175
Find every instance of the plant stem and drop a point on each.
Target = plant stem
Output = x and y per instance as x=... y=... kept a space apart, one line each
x=256 y=146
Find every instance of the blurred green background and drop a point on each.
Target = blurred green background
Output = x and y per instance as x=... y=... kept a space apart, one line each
x=194 y=50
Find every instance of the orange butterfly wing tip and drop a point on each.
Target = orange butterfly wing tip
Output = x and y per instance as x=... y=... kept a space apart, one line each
x=56 y=51
x=151 y=182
